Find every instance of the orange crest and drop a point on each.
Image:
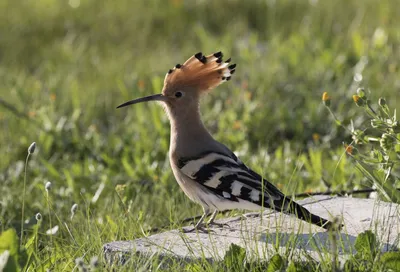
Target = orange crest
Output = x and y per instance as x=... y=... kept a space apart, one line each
x=200 y=72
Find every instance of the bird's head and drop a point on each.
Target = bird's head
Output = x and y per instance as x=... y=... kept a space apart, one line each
x=184 y=84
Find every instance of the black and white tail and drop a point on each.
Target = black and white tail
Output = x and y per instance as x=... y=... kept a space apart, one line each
x=291 y=207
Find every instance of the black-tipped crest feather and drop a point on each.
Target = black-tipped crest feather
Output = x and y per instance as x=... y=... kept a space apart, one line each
x=200 y=72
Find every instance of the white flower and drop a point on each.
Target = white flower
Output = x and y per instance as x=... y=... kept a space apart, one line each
x=48 y=186
x=31 y=148
x=38 y=216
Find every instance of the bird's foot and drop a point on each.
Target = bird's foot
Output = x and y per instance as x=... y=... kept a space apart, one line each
x=201 y=228
x=218 y=225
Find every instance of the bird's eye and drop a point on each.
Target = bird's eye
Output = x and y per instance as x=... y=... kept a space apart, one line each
x=178 y=94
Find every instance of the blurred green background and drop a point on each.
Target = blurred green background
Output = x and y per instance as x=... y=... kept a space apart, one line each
x=66 y=65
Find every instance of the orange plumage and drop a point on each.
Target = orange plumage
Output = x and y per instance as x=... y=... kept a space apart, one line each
x=200 y=72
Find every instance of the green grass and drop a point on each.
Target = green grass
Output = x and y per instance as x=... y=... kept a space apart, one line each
x=63 y=71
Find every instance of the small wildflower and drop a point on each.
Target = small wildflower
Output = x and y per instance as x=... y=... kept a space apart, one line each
x=316 y=137
x=53 y=230
x=382 y=102
x=326 y=99
x=73 y=210
x=360 y=92
x=48 y=186
x=237 y=125
x=349 y=149
x=358 y=100
x=386 y=141
x=52 y=97
x=309 y=191
x=94 y=262
x=141 y=84
x=177 y=3
x=38 y=217
x=119 y=188
x=98 y=192
x=79 y=262
x=32 y=148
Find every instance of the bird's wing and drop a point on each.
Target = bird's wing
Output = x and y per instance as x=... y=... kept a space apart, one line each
x=228 y=177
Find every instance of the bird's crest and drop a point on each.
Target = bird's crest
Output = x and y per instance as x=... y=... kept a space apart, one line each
x=200 y=72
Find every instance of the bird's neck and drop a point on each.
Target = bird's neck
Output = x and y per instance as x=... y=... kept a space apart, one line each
x=188 y=133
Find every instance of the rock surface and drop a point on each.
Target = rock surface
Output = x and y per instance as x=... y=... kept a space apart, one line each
x=259 y=235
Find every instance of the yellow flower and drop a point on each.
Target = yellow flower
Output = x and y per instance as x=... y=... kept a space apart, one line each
x=325 y=96
x=316 y=137
x=326 y=99
x=177 y=3
x=237 y=125
x=358 y=100
x=141 y=84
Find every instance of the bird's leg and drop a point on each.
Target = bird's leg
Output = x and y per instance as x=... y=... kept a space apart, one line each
x=211 y=221
x=214 y=214
x=200 y=222
x=199 y=225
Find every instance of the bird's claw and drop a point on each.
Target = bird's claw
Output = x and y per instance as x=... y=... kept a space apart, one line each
x=200 y=228
x=205 y=227
x=219 y=225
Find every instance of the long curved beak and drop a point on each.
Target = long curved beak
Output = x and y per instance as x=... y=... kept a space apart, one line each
x=155 y=97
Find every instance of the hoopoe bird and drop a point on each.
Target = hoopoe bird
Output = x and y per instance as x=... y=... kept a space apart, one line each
x=206 y=170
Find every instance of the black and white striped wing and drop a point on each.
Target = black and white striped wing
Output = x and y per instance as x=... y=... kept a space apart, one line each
x=229 y=178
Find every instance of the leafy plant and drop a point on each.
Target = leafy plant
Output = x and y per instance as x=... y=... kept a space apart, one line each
x=12 y=257
x=375 y=148
x=369 y=257
x=235 y=258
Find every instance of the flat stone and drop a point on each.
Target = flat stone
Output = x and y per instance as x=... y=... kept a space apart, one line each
x=260 y=235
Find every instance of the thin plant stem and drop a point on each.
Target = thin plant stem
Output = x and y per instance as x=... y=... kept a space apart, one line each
x=48 y=208
x=23 y=199
x=333 y=238
x=338 y=122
